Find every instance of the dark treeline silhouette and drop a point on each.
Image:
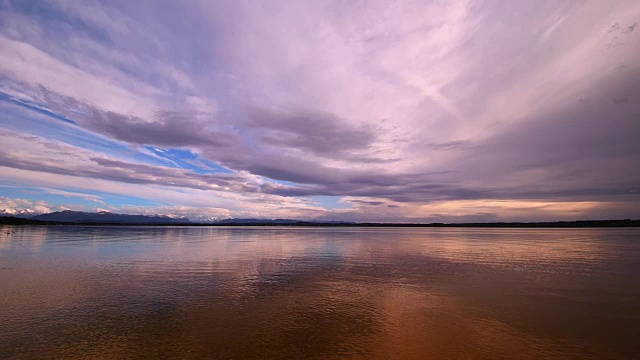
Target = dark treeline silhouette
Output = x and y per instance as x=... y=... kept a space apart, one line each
x=10 y=220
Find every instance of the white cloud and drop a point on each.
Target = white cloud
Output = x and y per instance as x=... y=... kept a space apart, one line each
x=17 y=206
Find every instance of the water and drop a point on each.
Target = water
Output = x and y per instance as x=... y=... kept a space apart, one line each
x=319 y=293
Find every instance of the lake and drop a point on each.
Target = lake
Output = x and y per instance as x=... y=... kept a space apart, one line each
x=91 y=292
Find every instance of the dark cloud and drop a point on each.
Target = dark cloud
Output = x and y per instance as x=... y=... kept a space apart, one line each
x=367 y=202
x=320 y=134
x=448 y=145
x=397 y=187
x=316 y=134
x=578 y=151
x=170 y=129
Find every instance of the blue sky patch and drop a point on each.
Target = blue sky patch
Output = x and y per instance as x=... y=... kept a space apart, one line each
x=72 y=197
x=187 y=159
x=330 y=202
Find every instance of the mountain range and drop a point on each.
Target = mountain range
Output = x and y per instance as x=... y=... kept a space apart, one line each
x=105 y=217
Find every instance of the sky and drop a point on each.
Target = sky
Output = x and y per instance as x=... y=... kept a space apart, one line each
x=408 y=111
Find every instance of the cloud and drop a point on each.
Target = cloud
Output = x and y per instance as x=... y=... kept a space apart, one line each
x=319 y=134
x=31 y=67
x=395 y=107
x=170 y=129
x=17 y=206
x=88 y=197
x=368 y=202
x=59 y=158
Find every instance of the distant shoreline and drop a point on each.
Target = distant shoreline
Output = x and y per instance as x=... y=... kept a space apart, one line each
x=9 y=220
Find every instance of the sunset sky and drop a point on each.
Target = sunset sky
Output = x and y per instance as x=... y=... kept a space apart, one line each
x=408 y=111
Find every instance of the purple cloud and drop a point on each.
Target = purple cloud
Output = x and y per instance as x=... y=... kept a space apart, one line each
x=419 y=110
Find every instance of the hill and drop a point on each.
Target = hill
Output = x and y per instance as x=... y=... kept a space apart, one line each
x=105 y=217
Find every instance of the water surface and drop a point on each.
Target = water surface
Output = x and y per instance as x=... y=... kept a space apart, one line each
x=283 y=293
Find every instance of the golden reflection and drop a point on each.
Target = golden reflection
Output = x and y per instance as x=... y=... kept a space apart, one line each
x=511 y=247
x=317 y=293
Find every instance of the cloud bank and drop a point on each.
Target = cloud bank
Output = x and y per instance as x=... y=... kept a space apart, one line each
x=366 y=111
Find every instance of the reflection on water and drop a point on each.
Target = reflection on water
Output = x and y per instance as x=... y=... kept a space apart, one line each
x=235 y=293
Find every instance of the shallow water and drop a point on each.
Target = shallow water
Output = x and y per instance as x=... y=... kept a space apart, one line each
x=285 y=293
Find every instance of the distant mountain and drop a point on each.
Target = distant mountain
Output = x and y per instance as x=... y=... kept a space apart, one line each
x=105 y=217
